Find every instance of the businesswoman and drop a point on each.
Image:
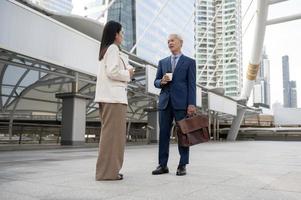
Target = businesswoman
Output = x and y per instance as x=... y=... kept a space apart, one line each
x=111 y=93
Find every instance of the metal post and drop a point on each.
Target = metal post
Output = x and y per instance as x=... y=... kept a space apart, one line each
x=218 y=130
x=128 y=130
x=214 y=126
x=20 y=137
x=11 y=119
x=259 y=33
x=40 y=136
x=261 y=18
x=209 y=123
x=233 y=132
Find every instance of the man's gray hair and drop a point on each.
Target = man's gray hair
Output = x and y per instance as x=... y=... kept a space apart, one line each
x=176 y=35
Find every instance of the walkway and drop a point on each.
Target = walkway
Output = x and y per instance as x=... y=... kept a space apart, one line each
x=218 y=171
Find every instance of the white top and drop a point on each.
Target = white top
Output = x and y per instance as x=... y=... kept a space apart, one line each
x=112 y=77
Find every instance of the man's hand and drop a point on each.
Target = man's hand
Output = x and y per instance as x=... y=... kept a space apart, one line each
x=165 y=80
x=191 y=110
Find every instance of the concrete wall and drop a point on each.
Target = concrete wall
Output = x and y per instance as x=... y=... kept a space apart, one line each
x=287 y=116
x=28 y=32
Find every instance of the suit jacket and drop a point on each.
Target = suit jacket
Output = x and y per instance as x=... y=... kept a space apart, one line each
x=182 y=89
x=112 y=77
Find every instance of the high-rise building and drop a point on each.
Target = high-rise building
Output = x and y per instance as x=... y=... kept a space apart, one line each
x=286 y=81
x=293 y=94
x=148 y=23
x=262 y=91
x=62 y=6
x=219 y=44
x=123 y=11
x=289 y=87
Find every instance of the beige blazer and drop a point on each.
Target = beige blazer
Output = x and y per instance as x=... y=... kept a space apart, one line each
x=112 y=77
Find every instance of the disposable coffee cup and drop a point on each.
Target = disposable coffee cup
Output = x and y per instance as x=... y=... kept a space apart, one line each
x=169 y=76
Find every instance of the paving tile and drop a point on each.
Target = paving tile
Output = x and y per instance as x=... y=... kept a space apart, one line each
x=217 y=171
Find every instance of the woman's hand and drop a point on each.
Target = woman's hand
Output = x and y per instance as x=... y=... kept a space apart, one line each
x=131 y=71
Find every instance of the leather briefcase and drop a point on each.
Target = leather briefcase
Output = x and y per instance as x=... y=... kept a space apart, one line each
x=192 y=130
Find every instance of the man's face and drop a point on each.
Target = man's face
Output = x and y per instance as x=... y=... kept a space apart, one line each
x=174 y=44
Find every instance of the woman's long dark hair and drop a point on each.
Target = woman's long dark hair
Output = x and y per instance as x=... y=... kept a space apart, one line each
x=108 y=36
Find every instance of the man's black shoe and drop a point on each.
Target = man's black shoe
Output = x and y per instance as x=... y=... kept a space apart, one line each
x=160 y=170
x=181 y=171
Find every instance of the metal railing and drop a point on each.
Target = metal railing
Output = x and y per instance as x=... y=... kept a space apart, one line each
x=50 y=133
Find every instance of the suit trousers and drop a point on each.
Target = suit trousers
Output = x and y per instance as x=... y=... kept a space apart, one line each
x=166 y=118
x=112 y=140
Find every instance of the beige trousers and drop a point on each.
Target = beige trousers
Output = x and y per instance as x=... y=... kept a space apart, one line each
x=112 y=140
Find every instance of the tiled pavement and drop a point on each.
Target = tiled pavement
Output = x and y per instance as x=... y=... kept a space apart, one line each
x=244 y=170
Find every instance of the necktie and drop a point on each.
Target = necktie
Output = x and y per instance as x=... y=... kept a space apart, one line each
x=173 y=63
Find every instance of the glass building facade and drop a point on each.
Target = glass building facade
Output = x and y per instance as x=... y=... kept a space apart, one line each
x=150 y=22
x=123 y=11
x=176 y=16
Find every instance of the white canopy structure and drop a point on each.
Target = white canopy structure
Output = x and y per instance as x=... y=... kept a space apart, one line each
x=44 y=53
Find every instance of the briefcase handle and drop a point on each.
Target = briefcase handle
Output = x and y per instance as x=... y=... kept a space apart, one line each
x=188 y=116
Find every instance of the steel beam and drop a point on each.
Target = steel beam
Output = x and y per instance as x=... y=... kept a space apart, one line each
x=283 y=19
x=270 y=2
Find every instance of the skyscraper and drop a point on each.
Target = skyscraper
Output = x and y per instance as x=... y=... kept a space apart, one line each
x=123 y=11
x=293 y=94
x=62 y=6
x=262 y=91
x=286 y=81
x=289 y=87
x=219 y=44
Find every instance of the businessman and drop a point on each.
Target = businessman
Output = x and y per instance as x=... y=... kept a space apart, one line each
x=176 y=76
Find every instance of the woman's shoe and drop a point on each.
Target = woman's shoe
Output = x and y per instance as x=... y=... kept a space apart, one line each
x=120 y=177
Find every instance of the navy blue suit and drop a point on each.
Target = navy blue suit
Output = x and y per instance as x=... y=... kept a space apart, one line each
x=173 y=102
